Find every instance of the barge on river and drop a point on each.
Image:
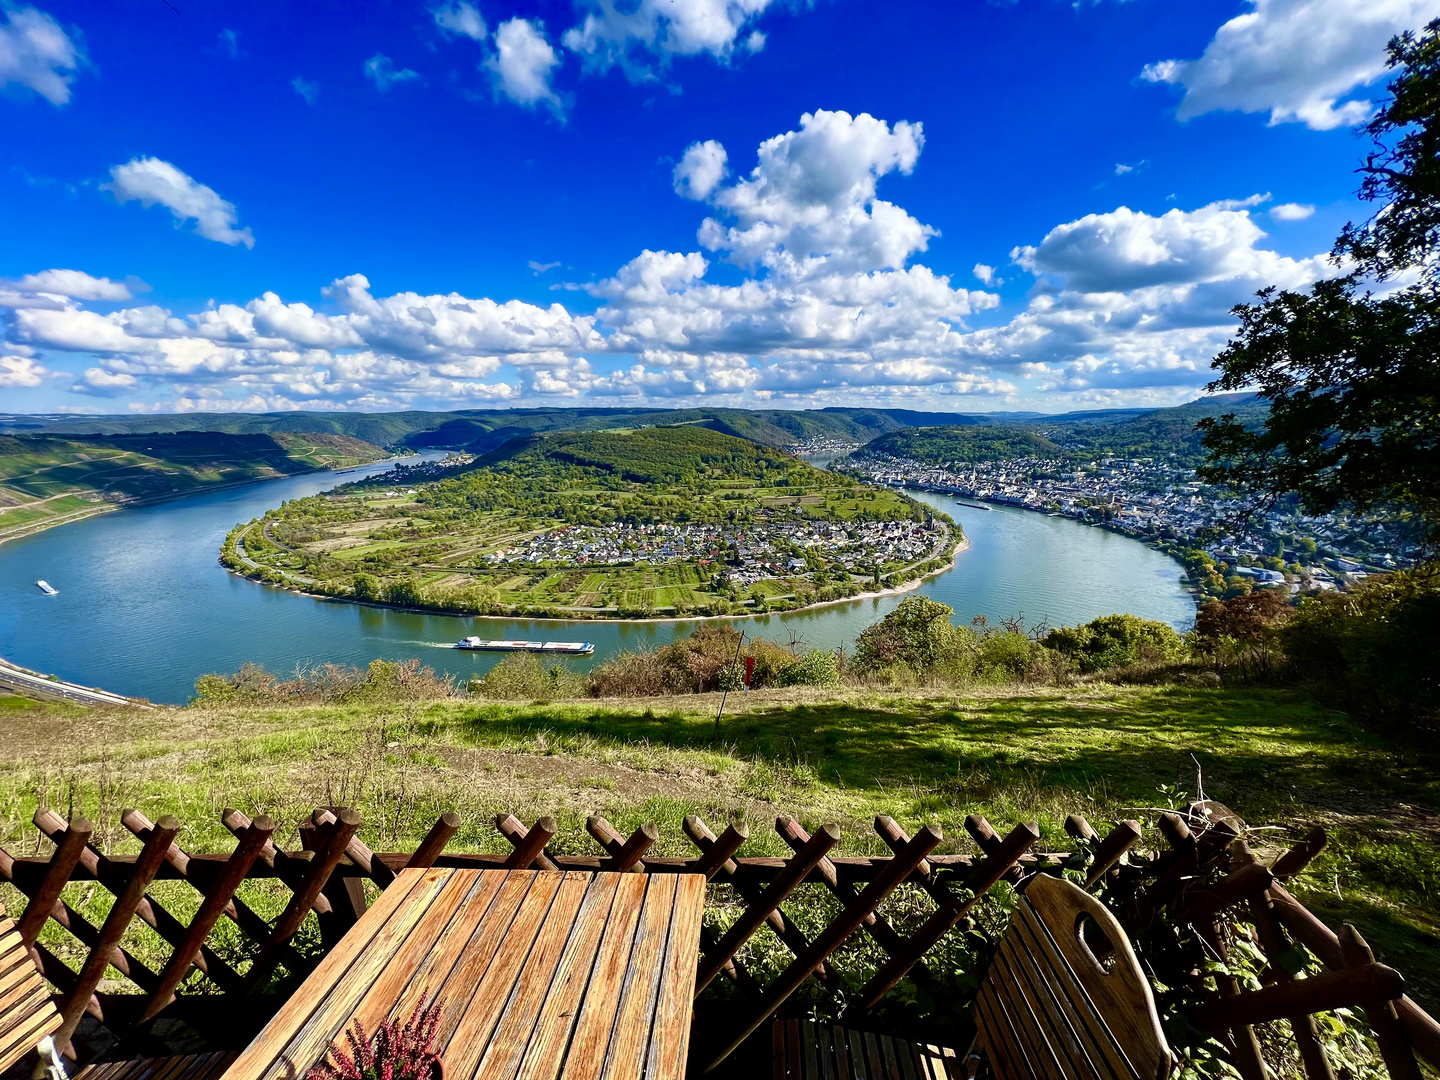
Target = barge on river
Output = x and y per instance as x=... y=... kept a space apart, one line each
x=563 y=648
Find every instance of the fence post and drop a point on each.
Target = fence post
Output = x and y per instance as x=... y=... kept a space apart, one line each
x=126 y=901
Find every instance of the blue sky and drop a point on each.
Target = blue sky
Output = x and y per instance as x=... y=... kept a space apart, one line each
x=969 y=206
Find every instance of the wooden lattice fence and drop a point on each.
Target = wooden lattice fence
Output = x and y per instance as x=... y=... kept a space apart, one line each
x=1206 y=870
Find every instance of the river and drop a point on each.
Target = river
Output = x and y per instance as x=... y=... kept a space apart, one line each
x=144 y=608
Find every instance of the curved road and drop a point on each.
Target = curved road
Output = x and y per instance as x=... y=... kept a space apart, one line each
x=39 y=686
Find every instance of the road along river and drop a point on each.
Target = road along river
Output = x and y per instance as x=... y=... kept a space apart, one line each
x=144 y=608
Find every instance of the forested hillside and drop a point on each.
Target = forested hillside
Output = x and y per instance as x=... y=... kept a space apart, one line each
x=45 y=478
x=481 y=430
x=1162 y=433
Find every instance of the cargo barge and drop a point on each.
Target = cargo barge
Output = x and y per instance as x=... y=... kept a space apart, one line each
x=563 y=648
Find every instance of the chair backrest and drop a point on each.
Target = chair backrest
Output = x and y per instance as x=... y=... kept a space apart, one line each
x=27 y=1014
x=1049 y=1007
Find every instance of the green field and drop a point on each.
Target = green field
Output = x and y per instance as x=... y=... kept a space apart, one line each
x=657 y=521
x=47 y=479
x=1012 y=754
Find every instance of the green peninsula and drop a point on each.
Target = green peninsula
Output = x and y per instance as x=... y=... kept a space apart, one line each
x=658 y=521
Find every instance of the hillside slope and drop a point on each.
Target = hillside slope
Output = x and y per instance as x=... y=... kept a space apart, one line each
x=45 y=479
x=1024 y=753
x=1159 y=433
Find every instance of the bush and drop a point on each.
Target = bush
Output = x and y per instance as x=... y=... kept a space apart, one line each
x=631 y=674
x=1115 y=641
x=917 y=638
x=706 y=661
x=1243 y=618
x=383 y=680
x=1376 y=646
x=521 y=676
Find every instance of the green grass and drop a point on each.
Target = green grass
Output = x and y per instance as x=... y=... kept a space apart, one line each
x=1277 y=758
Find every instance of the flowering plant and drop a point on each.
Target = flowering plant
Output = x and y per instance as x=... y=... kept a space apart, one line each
x=394 y=1052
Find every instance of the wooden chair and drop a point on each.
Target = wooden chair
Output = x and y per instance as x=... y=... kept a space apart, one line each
x=1051 y=1007
x=27 y=1015
x=809 y=1051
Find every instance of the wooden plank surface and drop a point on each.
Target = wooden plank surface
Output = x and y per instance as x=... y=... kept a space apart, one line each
x=542 y=974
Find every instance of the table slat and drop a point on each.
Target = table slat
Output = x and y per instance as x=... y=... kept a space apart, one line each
x=262 y=1050
x=513 y=1032
x=439 y=965
x=471 y=1038
x=602 y=999
x=546 y=1052
x=636 y=1015
x=332 y=1015
x=671 y=1039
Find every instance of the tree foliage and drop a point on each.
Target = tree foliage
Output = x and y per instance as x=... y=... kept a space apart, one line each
x=1352 y=377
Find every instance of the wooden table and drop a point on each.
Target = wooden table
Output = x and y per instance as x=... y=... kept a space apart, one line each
x=544 y=976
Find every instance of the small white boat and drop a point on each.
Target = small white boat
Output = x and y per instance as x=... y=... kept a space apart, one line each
x=46 y=588
x=566 y=648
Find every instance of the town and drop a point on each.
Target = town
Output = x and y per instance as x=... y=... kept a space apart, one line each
x=1226 y=551
x=767 y=549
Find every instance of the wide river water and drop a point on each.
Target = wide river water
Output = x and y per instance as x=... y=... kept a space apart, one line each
x=144 y=607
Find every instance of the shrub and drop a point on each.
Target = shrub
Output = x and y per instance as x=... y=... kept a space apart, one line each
x=1116 y=640
x=1005 y=655
x=1376 y=646
x=382 y=680
x=631 y=674
x=1243 y=618
x=521 y=676
x=917 y=637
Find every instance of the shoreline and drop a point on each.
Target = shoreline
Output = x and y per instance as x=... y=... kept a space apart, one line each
x=107 y=507
x=913 y=583
x=1187 y=582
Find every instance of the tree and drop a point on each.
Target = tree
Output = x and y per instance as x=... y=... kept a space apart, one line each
x=1351 y=377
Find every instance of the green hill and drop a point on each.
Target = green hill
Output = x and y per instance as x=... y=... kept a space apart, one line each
x=46 y=479
x=1158 y=433
x=941 y=445
x=659 y=455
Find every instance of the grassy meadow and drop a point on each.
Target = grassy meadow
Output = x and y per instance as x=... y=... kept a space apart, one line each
x=1012 y=754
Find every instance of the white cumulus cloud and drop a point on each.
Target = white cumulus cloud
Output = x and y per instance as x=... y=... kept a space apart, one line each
x=810 y=203
x=635 y=35
x=460 y=18
x=17 y=372
x=1292 y=211
x=153 y=181
x=1298 y=60
x=75 y=284
x=36 y=53
x=381 y=70
x=523 y=64
x=700 y=170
